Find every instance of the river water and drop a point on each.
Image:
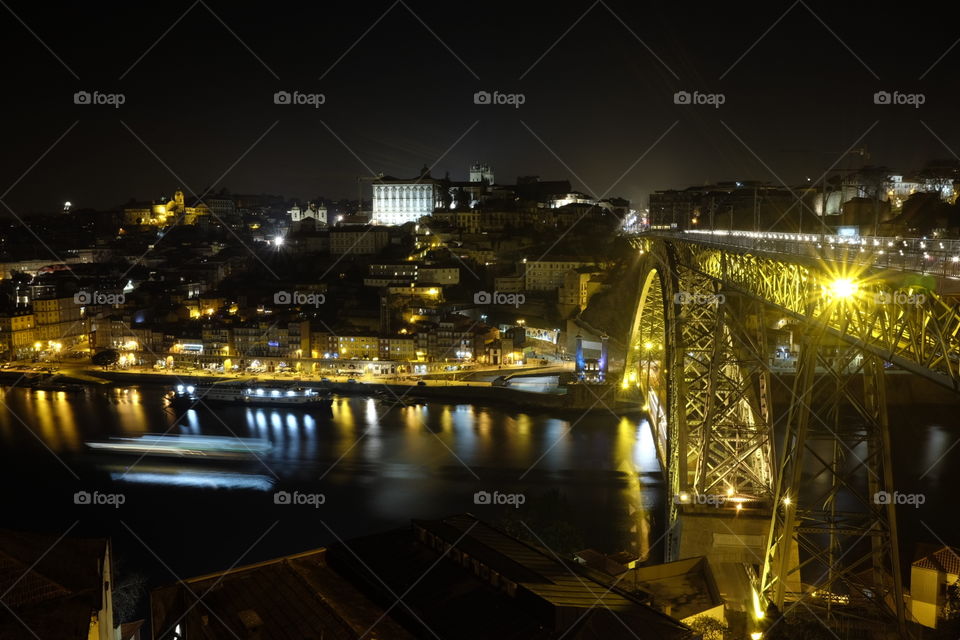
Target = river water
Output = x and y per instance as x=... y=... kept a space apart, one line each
x=377 y=467
x=590 y=481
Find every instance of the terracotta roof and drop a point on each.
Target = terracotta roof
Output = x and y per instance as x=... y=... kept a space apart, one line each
x=946 y=559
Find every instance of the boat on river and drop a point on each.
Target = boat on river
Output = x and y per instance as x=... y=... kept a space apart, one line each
x=252 y=393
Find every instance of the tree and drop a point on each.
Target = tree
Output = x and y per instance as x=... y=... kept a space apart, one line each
x=129 y=593
x=710 y=628
x=106 y=358
x=951 y=608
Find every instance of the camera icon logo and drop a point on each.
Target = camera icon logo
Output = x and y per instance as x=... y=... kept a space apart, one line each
x=81 y=97
x=82 y=497
x=482 y=497
x=881 y=497
x=282 y=97
x=281 y=497
x=482 y=97
x=482 y=297
x=83 y=297
x=882 y=97
x=682 y=97
x=282 y=297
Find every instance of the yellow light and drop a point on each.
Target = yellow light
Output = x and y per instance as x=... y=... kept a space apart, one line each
x=842 y=288
x=730 y=491
x=648 y=345
x=757 y=609
x=786 y=501
x=756 y=635
x=739 y=506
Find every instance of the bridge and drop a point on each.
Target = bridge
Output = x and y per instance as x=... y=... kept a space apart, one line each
x=796 y=502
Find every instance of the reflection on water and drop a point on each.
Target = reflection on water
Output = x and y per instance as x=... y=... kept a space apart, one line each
x=384 y=464
x=360 y=429
x=388 y=462
x=198 y=479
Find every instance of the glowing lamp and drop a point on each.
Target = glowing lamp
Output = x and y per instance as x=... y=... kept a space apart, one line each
x=842 y=288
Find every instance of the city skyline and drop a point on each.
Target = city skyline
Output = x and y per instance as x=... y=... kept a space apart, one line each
x=198 y=85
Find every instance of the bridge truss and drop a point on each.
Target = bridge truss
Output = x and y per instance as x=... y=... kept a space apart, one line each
x=699 y=363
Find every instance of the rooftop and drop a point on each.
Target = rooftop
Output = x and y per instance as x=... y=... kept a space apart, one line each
x=297 y=597
x=52 y=586
x=488 y=584
x=946 y=559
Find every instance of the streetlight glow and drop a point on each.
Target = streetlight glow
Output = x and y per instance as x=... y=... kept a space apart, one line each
x=842 y=288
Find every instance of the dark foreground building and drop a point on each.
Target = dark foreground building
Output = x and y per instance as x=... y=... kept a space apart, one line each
x=54 y=587
x=455 y=578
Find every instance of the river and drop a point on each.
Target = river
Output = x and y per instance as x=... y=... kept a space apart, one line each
x=592 y=481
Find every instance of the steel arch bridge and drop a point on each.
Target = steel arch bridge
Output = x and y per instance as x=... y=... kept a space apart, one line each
x=699 y=364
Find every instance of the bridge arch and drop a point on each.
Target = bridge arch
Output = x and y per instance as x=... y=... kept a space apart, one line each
x=645 y=373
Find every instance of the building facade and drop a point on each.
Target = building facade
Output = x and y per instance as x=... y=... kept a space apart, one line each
x=397 y=202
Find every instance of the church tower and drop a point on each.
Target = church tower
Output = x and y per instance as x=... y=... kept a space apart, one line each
x=481 y=172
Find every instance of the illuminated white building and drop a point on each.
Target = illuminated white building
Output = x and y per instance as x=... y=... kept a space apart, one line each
x=399 y=201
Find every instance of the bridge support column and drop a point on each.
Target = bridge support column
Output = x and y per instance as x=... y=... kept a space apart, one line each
x=721 y=436
x=832 y=507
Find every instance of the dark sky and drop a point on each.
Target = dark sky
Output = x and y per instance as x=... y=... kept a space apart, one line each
x=202 y=94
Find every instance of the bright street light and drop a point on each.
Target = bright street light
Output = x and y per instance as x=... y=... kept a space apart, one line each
x=842 y=288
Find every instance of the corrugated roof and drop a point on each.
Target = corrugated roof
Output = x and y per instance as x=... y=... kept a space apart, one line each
x=561 y=584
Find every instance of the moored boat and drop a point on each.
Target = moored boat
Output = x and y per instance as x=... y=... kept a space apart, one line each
x=252 y=393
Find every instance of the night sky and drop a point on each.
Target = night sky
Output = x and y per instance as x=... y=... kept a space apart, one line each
x=199 y=80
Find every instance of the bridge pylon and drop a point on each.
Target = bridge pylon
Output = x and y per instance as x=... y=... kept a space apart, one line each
x=832 y=545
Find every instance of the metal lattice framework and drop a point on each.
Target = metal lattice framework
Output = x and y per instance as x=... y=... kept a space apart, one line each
x=894 y=315
x=832 y=545
x=699 y=363
x=697 y=368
